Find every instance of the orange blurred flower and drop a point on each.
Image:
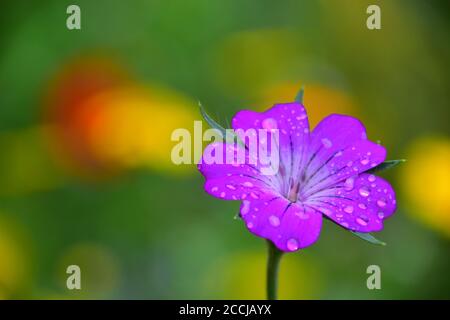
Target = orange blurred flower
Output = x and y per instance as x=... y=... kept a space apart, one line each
x=103 y=122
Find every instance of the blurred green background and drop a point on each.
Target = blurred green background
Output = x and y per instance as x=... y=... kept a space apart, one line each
x=85 y=123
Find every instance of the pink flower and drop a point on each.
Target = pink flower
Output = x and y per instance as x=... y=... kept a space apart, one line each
x=320 y=174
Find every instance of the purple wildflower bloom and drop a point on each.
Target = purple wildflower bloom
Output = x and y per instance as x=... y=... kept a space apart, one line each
x=320 y=173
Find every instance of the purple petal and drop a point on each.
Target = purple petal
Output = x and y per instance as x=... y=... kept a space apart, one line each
x=291 y=121
x=333 y=135
x=288 y=225
x=357 y=158
x=235 y=179
x=360 y=203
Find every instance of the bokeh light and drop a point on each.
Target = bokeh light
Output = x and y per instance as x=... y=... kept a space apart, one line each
x=242 y=276
x=320 y=100
x=426 y=182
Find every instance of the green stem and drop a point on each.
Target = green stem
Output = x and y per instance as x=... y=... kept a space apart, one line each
x=273 y=262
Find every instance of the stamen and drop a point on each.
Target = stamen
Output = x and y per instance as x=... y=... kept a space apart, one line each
x=293 y=192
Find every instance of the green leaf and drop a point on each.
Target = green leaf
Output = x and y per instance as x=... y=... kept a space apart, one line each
x=386 y=165
x=299 y=96
x=369 y=238
x=227 y=135
x=212 y=123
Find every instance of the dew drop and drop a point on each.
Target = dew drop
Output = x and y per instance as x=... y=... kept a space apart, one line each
x=248 y=184
x=326 y=143
x=371 y=178
x=381 y=203
x=364 y=162
x=362 y=221
x=250 y=225
x=214 y=189
x=269 y=124
x=254 y=195
x=231 y=187
x=222 y=194
x=362 y=206
x=245 y=207
x=274 y=221
x=292 y=244
x=302 y=215
x=364 y=192
x=381 y=215
x=349 y=209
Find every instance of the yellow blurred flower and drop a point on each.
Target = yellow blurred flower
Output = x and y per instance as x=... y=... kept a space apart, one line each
x=320 y=100
x=13 y=260
x=426 y=182
x=135 y=126
x=243 y=276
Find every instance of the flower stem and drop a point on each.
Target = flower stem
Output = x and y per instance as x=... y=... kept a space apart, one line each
x=273 y=262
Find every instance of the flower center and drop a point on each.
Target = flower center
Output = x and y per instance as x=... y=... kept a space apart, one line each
x=293 y=192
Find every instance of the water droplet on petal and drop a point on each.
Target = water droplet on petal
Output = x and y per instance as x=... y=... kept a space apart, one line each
x=269 y=124
x=381 y=203
x=326 y=143
x=371 y=178
x=302 y=215
x=362 y=220
x=381 y=215
x=362 y=206
x=231 y=187
x=254 y=195
x=349 y=183
x=250 y=225
x=364 y=192
x=274 y=221
x=214 y=189
x=245 y=207
x=222 y=194
x=349 y=209
x=292 y=244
